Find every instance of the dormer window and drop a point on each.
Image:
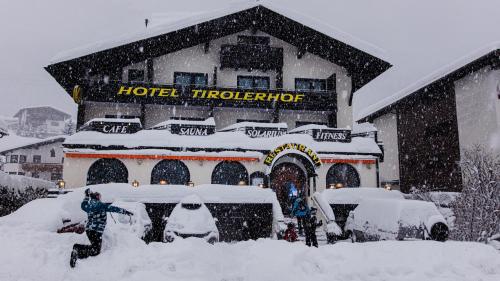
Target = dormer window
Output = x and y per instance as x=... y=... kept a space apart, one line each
x=253 y=82
x=185 y=79
x=135 y=75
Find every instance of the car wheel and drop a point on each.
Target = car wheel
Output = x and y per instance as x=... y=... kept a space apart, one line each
x=439 y=232
x=353 y=237
x=212 y=240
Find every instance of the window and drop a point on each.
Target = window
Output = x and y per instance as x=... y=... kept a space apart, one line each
x=14 y=159
x=20 y=173
x=37 y=159
x=230 y=173
x=135 y=75
x=22 y=159
x=253 y=82
x=35 y=175
x=54 y=123
x=186 y=79
x=304 y=84
x=12 y=173
x=55 y=176
x=253 y=40
x=343 y=174
x=52 y=153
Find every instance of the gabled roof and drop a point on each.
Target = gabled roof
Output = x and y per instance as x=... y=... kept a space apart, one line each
x=21 y=143
x=48 y=108
x=359 y=58
x=488 y=55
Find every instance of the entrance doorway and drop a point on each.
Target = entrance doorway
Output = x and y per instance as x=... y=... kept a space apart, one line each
x=285 y=178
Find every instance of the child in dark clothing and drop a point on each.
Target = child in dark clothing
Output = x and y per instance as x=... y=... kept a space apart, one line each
x=310 y=225
x=290 y=234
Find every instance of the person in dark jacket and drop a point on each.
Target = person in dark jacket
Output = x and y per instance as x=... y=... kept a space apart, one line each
x=310 y=225
x=290 y=234
x=300 y=210
x=96 y=222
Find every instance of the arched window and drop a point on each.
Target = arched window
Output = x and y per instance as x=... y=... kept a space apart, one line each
x=52 y=153
x=229 y=172
x=106 y=171
x=257 y=178
x=172 y=171
x=344 y=174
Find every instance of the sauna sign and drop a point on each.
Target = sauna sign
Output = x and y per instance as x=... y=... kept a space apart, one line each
x=192 y=130
x=308 y=152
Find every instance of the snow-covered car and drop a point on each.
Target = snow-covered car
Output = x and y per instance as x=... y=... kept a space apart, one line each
x=495 y=241
x=335 y=205
x=191 y=218
x=139 y=223
x=386 y=219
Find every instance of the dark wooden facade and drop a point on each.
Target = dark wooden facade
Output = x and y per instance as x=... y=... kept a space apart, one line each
x=429 y=151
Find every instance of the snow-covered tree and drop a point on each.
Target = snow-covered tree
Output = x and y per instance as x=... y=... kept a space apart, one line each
x=477 y=209
x=69 y=127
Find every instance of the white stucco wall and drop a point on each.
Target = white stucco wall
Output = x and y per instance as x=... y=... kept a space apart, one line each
x=478 y=109
x=387 y=126
x=75 y=171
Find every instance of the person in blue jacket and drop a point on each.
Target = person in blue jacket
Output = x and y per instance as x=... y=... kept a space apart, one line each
x=96 y=222
x=300 y=210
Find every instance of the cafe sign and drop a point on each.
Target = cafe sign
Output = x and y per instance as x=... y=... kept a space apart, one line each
x=113 y=127
x=308 y=152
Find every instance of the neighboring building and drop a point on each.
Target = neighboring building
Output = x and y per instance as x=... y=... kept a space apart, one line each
x=243 y=95
x=41 y=159
x=41 y=122
x=429 y=124
x=9 y=123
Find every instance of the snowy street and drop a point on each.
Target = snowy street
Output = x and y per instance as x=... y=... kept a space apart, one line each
x=39 y=255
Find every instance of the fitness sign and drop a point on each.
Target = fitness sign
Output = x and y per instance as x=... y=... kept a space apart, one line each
x=293 y=146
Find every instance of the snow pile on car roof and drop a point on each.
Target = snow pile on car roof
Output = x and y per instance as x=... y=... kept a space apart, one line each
x=355 y=195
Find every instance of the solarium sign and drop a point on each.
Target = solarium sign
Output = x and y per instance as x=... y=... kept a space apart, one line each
x=293 y=146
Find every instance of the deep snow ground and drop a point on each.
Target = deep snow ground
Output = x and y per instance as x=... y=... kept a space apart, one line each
x=28 y=254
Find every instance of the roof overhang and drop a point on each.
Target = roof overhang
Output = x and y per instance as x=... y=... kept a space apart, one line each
x=443 y=77
x=360 y=65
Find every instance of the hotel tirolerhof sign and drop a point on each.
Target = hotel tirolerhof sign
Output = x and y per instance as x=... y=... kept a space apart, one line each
x=232 y=95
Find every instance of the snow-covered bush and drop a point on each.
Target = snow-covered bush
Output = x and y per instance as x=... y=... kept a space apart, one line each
x=477 y=208
x=15 y=191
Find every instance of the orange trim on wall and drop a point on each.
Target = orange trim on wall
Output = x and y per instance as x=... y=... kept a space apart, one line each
x=171 y=157
x=349 y=161
x=201 y=158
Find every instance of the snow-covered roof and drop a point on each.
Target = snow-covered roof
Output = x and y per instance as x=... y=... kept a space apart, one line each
x=46 y=107
x=193 y=19
x=383 y=100
x=355 y=195
x=219 y=140
x=13 y=142
x=364 y=127
x=313 y=127
x=207 y=122
x=113 y=120
x=254 y=125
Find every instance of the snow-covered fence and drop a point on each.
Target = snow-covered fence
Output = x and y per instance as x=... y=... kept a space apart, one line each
x=16 y=191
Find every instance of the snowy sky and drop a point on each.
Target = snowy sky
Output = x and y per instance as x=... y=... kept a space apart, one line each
x=418 y=36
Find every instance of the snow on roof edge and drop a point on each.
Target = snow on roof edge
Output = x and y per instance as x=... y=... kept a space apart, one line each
x=198 y=18
x=35 y=142
x=426 y=80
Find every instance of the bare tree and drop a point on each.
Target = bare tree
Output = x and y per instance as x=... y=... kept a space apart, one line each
x=477 y=208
